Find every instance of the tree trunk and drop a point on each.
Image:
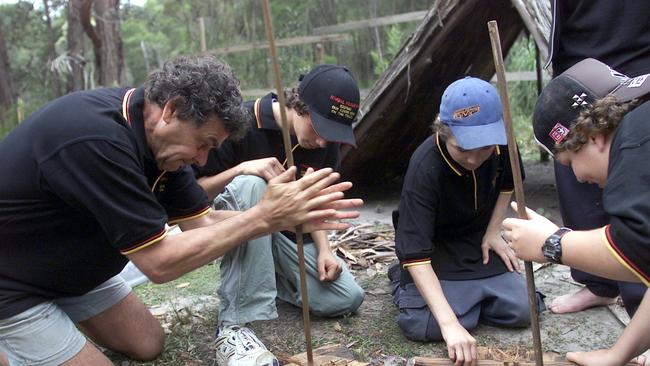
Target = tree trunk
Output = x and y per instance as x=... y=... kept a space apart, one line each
x=107 y=18
x=106 y=38
x=7 y=92
x=51 y=50
x=75 y=46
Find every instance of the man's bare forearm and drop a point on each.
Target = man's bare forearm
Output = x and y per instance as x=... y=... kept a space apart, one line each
x=176 y=255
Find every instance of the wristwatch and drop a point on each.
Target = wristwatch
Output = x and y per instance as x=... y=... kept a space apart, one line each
x=552 y=248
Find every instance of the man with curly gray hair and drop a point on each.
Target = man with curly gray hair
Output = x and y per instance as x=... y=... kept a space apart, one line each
x=91 y=181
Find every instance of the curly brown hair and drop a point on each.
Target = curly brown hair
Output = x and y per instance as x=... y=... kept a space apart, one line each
x=602 y=117
x=292 y=101
x=442 y=129
x=204 y=87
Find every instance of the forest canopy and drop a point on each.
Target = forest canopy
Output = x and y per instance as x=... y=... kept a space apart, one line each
x=52 y=47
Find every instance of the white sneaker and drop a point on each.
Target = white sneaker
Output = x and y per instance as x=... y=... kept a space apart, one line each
x=238 y=346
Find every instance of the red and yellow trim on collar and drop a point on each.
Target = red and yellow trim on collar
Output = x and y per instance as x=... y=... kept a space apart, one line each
x=448 y=160
x=150 y=241
x=202 y=212
x=620 y=257
x=125 y=105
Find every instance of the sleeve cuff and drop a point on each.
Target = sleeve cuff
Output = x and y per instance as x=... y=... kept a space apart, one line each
x=176 y=220
x=620 y=256
x=150 y=241
x=415 y=262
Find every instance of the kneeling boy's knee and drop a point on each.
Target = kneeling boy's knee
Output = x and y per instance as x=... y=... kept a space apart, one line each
x=418 y=331
x=520 y=314
x=341 y=305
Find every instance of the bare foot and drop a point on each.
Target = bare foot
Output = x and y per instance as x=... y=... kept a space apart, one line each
x=642 y=360
x=578 y=301
x=3 y=360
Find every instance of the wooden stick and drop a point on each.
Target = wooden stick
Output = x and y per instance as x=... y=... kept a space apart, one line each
x=425 y=361
x=202 y=34
x=516 y=175
x=289 y=154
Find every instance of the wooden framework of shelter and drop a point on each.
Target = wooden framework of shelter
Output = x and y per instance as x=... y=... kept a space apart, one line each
x=451 y=42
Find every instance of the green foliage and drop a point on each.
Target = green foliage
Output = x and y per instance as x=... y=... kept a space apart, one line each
x=522 y=95
x=27 y=44
x=382 y=60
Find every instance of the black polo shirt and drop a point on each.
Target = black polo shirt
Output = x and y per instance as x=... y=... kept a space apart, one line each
x=445 y=210
x=626 y=196
x=264 y=140
x=614 y=32
x=79 y=188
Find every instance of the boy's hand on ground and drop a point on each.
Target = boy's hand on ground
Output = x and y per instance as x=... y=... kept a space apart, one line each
x=526 y=236
x=461 y=346
x=493 y=241
x=329 y=268
x=267 y=168
x=312 y=200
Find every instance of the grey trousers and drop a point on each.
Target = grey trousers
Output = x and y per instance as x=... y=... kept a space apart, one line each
x=258 y=271
x=498 y=300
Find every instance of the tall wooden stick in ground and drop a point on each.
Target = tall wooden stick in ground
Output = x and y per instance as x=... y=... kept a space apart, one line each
x=289 y=154
x=516 y=175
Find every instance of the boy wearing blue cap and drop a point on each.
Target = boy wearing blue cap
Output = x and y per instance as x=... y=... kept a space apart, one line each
x=455 y=269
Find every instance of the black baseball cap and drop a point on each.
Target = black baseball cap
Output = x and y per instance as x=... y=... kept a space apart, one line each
x=332 y=96
x=562 y=100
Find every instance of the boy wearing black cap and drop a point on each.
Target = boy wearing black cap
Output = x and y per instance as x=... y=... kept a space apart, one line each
x=625 y=46
x=319 y=116
x=455 y=195
x=591 y=118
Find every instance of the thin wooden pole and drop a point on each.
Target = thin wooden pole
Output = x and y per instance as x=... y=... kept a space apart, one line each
x=543 y=155
x=202 y=34
x=289 y=154
x=516 y=175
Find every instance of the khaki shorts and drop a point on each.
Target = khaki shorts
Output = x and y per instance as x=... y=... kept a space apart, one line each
x=46 y=333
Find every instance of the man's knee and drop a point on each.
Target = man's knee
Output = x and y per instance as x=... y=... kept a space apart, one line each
x=340 y=305
x=127 y=327
x=150 y=348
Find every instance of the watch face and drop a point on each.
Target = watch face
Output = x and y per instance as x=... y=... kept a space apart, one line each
x=552 y=250
x=548 y=251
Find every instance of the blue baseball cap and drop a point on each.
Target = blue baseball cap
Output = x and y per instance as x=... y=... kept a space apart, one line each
x=472 y=109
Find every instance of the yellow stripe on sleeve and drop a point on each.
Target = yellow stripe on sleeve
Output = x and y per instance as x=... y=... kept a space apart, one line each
x=203 y=212
x=414 y=264
x=620 y=259
x=151 y=242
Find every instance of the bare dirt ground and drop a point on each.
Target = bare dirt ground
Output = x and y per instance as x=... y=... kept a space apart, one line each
x=372 y=334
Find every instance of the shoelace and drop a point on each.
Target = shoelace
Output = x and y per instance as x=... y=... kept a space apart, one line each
x=247 y=339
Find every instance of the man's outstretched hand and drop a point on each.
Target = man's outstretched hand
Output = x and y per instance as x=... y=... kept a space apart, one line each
x=313 y=200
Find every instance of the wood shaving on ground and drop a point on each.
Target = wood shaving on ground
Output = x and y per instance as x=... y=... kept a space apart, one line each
x=365 y=245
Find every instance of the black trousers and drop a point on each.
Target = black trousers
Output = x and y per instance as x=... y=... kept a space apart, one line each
x=582 y=209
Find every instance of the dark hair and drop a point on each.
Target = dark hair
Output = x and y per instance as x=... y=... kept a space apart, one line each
x=203 y=88
x=292 y=101
x=602 y=117
x=442 y=129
